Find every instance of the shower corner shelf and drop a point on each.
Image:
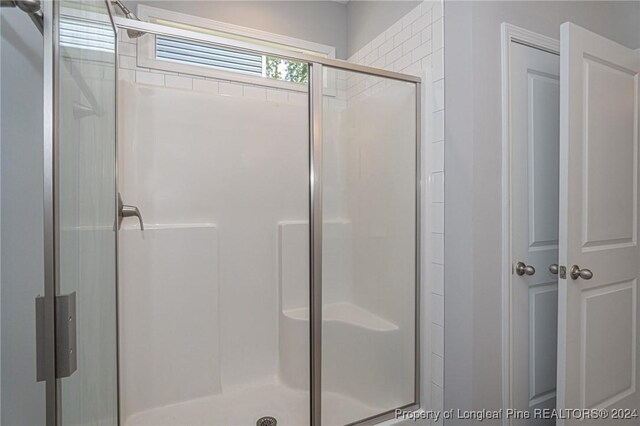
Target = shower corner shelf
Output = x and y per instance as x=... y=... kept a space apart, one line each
x=347 y=313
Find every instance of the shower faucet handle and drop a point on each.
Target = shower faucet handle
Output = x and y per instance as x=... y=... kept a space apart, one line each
x=125 y=210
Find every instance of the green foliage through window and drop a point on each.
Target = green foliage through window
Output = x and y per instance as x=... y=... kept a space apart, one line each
x=284 y=69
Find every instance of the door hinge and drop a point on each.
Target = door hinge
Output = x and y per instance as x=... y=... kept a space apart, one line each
x=66 y=356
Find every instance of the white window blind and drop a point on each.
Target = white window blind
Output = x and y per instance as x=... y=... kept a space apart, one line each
x=86 y=34
x=190 y=52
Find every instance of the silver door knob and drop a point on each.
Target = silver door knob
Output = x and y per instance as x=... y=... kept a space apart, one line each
x=576 y=273
x=553 y=268
x=523 y=269
x=128 y=211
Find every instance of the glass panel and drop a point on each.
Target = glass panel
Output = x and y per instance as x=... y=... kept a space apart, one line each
x=21 y=108
x=368 y=247
x=214 y=292
x=86 y=213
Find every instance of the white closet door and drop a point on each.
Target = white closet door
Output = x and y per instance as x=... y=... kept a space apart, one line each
x=535 y=101
x=598 y=330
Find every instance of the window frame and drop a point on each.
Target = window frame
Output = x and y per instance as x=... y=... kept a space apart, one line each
x=146 y=48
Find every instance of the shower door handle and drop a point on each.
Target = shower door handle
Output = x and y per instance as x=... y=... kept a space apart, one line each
x=125 y=210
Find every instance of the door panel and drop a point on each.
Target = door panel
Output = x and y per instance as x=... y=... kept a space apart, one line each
x=85 y=210
x=534 y=105
x=609 y=191
x=598 y=322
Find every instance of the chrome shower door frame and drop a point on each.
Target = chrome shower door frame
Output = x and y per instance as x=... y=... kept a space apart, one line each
x=315 y=91
x=50 y=205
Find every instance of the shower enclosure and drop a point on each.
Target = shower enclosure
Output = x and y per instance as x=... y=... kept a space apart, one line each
x=277 y=275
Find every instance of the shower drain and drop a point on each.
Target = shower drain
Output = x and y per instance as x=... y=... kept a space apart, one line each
x=267 y=421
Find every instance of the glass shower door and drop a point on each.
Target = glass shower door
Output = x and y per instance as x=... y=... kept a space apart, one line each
x=82 y=48
x=369 y=247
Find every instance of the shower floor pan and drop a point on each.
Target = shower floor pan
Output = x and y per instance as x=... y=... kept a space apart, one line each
x=243 y=407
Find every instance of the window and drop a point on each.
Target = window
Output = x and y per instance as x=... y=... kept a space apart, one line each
x=193 y=57
x=207 y=55
x=287 y=70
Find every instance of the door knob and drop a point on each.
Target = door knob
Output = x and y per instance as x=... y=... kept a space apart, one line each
x=553 y=268
x=128 y=211
x=523 y=269
x=576 y=273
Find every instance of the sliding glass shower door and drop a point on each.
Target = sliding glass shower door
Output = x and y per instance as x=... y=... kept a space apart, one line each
x=369 y=246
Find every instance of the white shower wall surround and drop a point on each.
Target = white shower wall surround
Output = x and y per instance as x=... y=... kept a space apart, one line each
x=200 y=283
x=232 y=269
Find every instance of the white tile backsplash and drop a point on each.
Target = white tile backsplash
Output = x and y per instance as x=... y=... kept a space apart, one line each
x=402 y=36
x=205 y=86
x=229 y=89
x=277 y=96
x=128 y=62
x=437 y=187
x=422 y=23
x=437 y=398
x=422 y=50
x=144 y=77
x=412 y=44
x=437 y=309
x=438 y=95
x=178 y=82
x=385 y=47
x=437 y=64
x=437 y=244
x=437 y=218
x=298 y=98
x=437 y=35
x=127 y=49
x=394 y=55
x=427 y=34
x=438 y=279
x=393 y=30
x=377 y=42
x=437 y=157
x=126 y=75
x=438 y=125
x=255 y=92
x=437 y=338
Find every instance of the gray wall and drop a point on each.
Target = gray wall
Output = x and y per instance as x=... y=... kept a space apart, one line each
x=21 y=49
x=367 y=19
x=318 y=21
x=473 y=162
x=347 y=26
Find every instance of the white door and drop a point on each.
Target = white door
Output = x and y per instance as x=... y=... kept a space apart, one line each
x=534 y=77
x=598 y=330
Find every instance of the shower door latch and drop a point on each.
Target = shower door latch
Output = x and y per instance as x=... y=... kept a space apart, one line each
x=65 y=336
